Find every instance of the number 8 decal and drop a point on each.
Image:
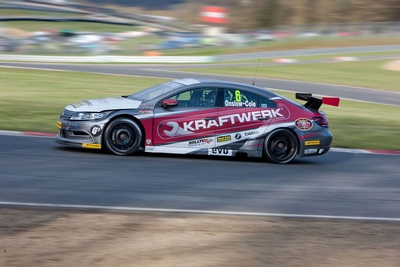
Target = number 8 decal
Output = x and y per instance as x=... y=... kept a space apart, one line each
x=237 y=96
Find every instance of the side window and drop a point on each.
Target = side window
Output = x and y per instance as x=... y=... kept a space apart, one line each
x=266 y=103
x=204 y=97
x=210 y=97
x=184 y=96
x=239 y=98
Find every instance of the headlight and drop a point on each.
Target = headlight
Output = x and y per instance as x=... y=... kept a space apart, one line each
x=87 y=116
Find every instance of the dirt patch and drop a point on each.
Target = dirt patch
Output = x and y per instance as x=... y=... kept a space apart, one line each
x=42 y=237
x=392 y=65
x=13 y=32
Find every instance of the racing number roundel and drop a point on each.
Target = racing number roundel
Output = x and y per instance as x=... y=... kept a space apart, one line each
x=303 y=124
x=238 y=96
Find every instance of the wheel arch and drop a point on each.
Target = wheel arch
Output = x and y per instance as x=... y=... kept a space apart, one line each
x=295 y=134
x=281 y=128
x=293 y=131
x=133 y=118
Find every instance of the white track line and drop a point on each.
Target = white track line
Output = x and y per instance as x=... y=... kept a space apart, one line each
x=111 y=208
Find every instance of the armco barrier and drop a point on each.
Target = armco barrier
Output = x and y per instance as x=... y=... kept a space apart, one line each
x=108 y=59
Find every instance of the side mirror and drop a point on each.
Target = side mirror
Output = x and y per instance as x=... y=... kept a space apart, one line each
x=169 y=103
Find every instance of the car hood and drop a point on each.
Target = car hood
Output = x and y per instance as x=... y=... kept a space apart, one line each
x=101 y=104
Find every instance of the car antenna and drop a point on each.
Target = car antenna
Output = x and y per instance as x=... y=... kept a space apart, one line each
x=254 y=80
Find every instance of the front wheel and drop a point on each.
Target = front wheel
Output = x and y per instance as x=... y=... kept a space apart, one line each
x=281 y=146
x=123 y=137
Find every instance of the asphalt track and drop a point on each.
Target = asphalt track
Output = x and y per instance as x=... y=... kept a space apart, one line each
x=37 y=170
x=338 y=184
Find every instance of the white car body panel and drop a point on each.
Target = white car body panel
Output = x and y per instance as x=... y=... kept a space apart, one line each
x=101 y=104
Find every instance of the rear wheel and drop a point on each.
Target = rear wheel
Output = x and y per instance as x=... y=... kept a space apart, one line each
x=281 y=146
x=123 y=137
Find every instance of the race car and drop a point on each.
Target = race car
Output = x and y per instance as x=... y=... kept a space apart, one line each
x=200 y=116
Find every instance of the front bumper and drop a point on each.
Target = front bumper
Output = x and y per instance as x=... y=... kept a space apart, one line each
x=86 y=134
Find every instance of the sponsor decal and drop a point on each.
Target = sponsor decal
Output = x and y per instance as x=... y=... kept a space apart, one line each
x=175 y=129
x=145 y=109
x=96 y=146
x=223 y=138
x=321 y=150
x=249 y=104
x=238 y=136
x=59 y=124
x=219 y=152
x=148 y=141
x=200 y=142
x=95 y=130
x=310 y=151
x=312 y=143
x=81 y=103
x=303 y=124
x=102 y=100
x=251 y=133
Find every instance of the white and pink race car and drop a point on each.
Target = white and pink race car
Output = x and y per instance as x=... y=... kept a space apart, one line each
x=200 y=116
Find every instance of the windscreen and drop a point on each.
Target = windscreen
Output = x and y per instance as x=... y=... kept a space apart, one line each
x=155 y=91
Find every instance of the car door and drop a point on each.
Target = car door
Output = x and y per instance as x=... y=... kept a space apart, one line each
x=242 y=117
x=188 y=127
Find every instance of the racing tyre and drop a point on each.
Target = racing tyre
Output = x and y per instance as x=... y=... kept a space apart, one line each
x=281 y=146
x=123 y=137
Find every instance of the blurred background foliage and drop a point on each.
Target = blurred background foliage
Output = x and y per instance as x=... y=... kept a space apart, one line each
x=252 y=14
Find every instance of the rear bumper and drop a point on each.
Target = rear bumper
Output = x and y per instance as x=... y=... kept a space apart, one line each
x=315 y=145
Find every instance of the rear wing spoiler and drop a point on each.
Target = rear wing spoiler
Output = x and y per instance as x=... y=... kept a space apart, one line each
x=316 y=102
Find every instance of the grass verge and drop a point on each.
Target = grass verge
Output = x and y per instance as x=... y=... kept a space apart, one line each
x=368 y=74
x=76 y=26
x=361 y=54
x=31 y=100
x=286 y=44
x=319 y=57
x=25 y=12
